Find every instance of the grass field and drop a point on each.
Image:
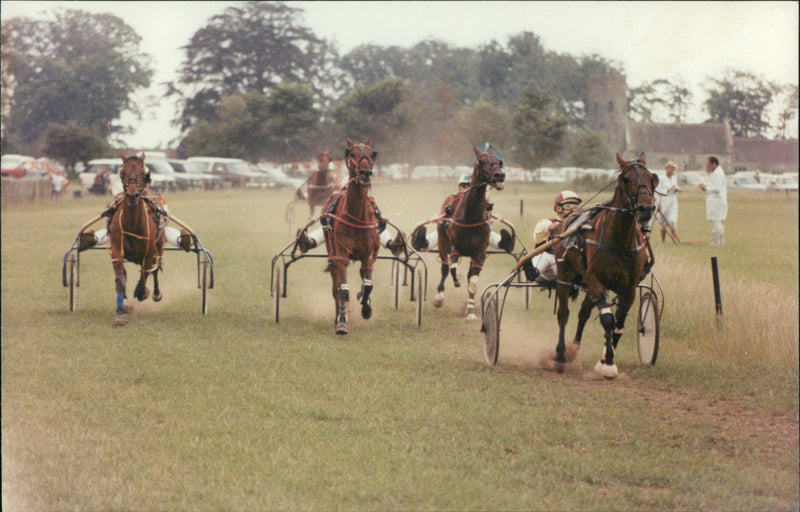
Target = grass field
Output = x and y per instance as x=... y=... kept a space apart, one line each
x=230 y=411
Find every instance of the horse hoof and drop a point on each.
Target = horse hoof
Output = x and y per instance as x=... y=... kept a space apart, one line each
x=438 y=300
x=470 y=317
x=456 y=283
x=572 y=351
x=120 y=320
x=341 y=328
x=366 y=311
x=559 y=367
x=608 y=371
x=157 y=297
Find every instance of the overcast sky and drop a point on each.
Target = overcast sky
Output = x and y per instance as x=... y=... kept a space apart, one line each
x=678 y=40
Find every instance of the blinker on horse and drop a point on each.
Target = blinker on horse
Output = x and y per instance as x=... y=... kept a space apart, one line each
x=352 y=232
x=466 y=232
x=614 y=256
x=134 y=235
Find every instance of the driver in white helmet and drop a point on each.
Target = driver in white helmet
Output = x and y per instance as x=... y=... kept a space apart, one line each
x=542 y=267
x=420 y=241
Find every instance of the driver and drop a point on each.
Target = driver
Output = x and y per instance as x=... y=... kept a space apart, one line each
x=420 y=241
x=542 y=267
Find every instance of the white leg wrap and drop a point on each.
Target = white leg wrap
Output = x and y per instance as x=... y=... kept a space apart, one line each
x=618 y=330
x=473 y=285
x=102 y=236
x=605 y=310
x=171 y=235
x=318 y=236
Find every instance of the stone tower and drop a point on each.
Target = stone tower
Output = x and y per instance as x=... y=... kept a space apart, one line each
x=607 y=109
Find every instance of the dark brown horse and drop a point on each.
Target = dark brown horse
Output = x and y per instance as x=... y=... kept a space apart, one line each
x=134 y=234
x=614 y=257
x=466 y=231
x=322 y=183
x=352 y=231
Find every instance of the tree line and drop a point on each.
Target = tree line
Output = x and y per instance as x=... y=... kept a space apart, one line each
x=256 y=83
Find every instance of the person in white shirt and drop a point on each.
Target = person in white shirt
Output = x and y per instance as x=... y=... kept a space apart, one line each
x=542 y=267
x=715 y=187
x=667 y=200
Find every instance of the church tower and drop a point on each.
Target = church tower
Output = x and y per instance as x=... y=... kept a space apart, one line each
x=607 y=109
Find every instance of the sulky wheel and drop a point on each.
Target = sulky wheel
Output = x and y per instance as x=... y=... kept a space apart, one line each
x=491 y=330
x=419 y=286
x=647 y=329
x=73 y=282
x=204 y=289
x=396 y=283
x=276 y=295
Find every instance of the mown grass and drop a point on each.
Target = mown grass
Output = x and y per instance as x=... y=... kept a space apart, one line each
x=229 y=411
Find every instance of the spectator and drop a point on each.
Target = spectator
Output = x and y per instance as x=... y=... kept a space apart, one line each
x=715 y=187
x=667 y=201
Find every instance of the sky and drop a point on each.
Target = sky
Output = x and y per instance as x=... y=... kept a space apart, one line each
x=688 y=41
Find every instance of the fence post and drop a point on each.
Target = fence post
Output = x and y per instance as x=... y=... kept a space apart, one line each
x=717 y=294
x=521 y=207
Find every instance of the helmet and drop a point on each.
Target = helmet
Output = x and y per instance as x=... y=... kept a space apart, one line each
x=465 y=180
x=566 y=197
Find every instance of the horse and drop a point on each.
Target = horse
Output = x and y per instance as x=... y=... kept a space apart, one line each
x=134 y=235
x=352 y=231
x=613 y=256
x=322 y=183
x=465 y=232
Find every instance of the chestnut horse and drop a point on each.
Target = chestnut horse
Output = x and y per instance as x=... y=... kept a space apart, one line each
x=466 y=232
x=322 y=183
x=134 y=235
x=614 y=256
x=351 y=231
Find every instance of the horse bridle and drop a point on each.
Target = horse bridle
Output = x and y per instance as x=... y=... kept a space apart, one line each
x=126 y=180
x=493 y=179
x=633 y=199
x=365 y=152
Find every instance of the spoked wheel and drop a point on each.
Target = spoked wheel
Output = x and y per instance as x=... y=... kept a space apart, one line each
x=396 y=283
x=491 y=330
x=419 y=286
x=276 y=295
x=647 y=330
x=73 y=282
x=204 y=288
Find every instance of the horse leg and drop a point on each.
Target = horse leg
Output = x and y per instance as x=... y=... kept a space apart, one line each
x=120 y=280
x=156 y=291
x=606 y=365
x=438 y=300
x=562 y=296
x=454 y=271
x=623 y=307
x=141 y=292
x=472 y=287
x=366 y=289
x=583 y=316
x=341 y=295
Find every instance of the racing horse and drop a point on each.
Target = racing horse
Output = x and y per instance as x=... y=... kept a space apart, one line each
x=134 y=235
x=351 y=231
x=614 y=256
x=322 y=183
x=465 y=232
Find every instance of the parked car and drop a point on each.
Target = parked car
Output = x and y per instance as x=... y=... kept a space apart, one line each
x=16 y=166
x=786 y=182
x=549 y=175
x=88 y=176
x=277 y=179
x=745 y=181
x=232 y=170
x=163 y=176
x=199 y=179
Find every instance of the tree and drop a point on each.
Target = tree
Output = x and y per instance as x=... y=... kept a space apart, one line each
x=251 y=46
x=70 y=144
x=78 y=67
x=589 y=150
x=659 y=101
x=741 y=98
x=539 y=130
x=785 y=100
x=373 y=112
x=485 y=122
x=280 y=126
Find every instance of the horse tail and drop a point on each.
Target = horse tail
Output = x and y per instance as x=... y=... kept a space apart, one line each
x=573 y=293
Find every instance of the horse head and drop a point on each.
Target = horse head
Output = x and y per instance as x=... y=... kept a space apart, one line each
x=324 y=159
x=488 y=169
x=134 y=176
x=637 y=185
x=359 y=158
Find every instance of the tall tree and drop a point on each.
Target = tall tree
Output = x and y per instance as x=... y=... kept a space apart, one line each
x=742 y=98
x=251 y=46
x=70 y=144
x=539 y=129
x=589 y=150
x=77 y=67
x=659 y=100
x=785 y=108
